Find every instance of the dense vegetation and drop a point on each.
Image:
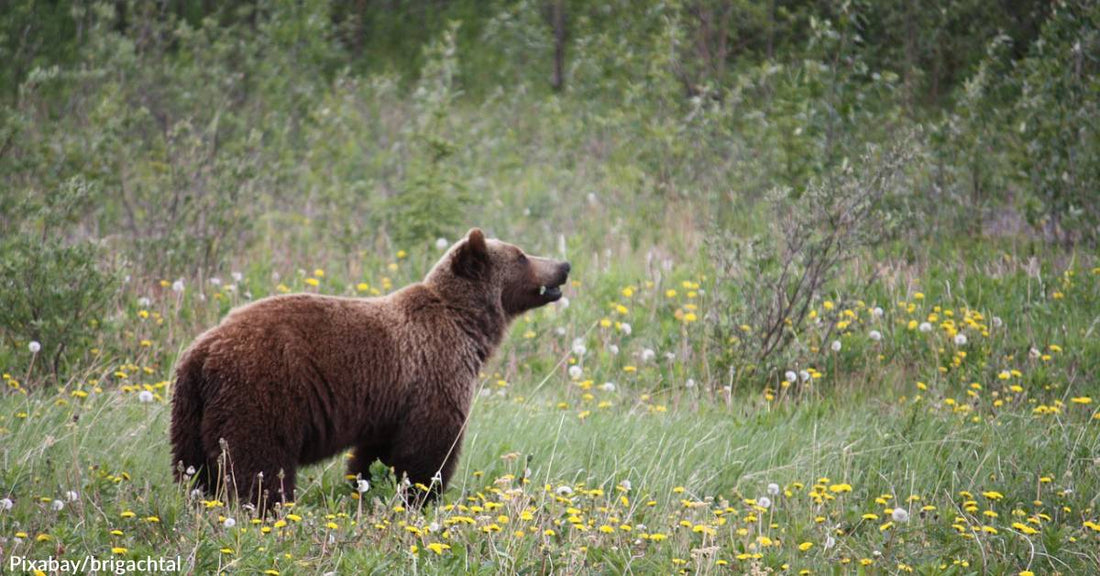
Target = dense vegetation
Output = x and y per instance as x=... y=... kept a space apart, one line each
x=836 y=293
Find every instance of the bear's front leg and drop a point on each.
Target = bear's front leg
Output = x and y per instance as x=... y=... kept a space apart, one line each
x=426 y=449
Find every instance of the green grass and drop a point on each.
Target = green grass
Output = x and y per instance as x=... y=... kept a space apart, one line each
x=994 y=479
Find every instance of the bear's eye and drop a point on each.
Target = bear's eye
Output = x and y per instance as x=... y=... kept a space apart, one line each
x=522 y=258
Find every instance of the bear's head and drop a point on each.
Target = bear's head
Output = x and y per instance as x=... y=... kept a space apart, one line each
x=483 y=269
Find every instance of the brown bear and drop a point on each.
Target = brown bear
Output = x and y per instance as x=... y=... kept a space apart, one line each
x=293 y=379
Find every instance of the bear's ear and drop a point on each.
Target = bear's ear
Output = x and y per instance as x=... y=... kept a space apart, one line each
x=471 y=259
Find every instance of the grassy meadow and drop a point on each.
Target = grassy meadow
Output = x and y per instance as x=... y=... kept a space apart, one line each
x=834 y=304
x=602 y=441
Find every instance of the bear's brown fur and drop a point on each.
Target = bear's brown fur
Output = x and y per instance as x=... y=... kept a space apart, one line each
x=290 y=380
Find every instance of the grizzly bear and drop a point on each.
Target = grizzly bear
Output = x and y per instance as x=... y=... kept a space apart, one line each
x=290 y=380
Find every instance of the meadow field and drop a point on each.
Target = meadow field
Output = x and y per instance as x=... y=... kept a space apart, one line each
x=834 y=305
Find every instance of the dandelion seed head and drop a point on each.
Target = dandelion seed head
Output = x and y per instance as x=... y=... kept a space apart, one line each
x=229 y=523
x=145 y=396
x=6 y=504
x=177 y=286
x=578 y=347
x=34 y=346
x=362 y=485
x=441 y=243
x=57 y=505
x=575 y=372
x=925 y=327
x=875 y=335
x=960 y=339
x=764 y=502
x=608 y=387
x=790 y=376
x=900 y=515
x=835 y=346
x=773 y=489
x=648 y=354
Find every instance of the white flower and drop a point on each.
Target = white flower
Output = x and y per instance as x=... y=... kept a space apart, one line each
x=875 y=335
x=564 y=491
x=190 y=471
x=362 y=485
x=790 y=376
x=575 y=372
x=177 y=286
x=960 y=339
x=144 y=301
x=670 y=356
x=626 y=329
x=625 y=485
x=773 y=489
x=560 y=330
x=6 y=504
x=608 y=387
x=1034 y=353
x=229 y=523
x=196 y=494
x=764 y=502
x=216 y=281
x=441 y=243
x=145 y=396
x=835 y=346
x=900 y=515
x=690 y=383
x=72 y=496
x=648 y=354
x=578 y=347
x=237 y=276
x=804 y=375
x=433 y=527
x=876 y=312
x=613 y=349
x=563 y=303
x=925 y=327
x=830 y=542
x=57 y=505
x=34 y=346
x=997 y=322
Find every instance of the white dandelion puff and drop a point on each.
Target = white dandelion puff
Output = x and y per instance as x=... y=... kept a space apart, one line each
x=608 y=387
x=564 y=491
x=626 y=328
x=229 y=523
x=960 y=339
x=690 y=383
x=648 y=354
x=575 y=372
x=875 y=335
x=362 y=485
x=835 y=346
x=790 y=376
x=925 y=327
x=237 y=276
x=625 y=485
x=997 y=322
x=773 y=489
x=6 y=504
x=177 y=286
x=830 y=542
x=876 y=312
x=145 y=396
x=804 y=375
x=613 y=349
x=72 y=496
x=57 y=505
x=900 y=515
x=144 y=301
x=578 y=347
x=764 y=502
x=441 y=243
x=34 y=346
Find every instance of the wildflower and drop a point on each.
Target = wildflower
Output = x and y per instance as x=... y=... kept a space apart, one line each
x=805 y=546
x=790 y=376
x=564 y=491
x=875 y=335
x=1081 y=400
x=34 y=346
x=804 y=375
x=835 y=346
x=362 y=485
x=608 y=387
x=578 y=347
x=57 y=505
x=177 y=286
x=72 y=496
x=144 y=302
x=876 y=312
x=690 y=383
x=997 y=322
x=764 y=502
x=229 y=522
x=145 y=396
x=925 y=327
x=960 y=339
x=613 y=349
x=625 y=485
x=441 y=243
x=648 y=354
x=6 y=504
x=773 y=489
x=575 y=372
x=900 y=515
